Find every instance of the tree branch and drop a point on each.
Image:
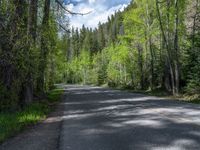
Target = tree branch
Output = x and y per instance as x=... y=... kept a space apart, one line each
x=61 y=26
x=70 y=12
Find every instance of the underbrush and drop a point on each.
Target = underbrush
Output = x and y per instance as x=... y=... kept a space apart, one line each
x=12 y=123
x=192 y=98
x=184 y=96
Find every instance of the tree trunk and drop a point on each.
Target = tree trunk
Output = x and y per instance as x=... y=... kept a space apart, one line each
x=152 y=63
x=31 y=39
x=176 y=48
x=140 y=62
x=149 y=39
x=44 y=48
x=170 y=55
x=18 y=30
x=32 y=22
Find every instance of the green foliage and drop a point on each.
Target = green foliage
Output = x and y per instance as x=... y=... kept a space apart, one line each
x=54 y=95
x=78 y=70
x=12 y=123
x=31 y=52
x=148 y=46
x=132 y=50
x=100 y=64
x=193 y=68
x=117 y=71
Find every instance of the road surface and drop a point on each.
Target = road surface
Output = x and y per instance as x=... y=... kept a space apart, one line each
x=94 y=118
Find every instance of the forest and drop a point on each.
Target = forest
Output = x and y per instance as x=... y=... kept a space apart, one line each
x=151 y=45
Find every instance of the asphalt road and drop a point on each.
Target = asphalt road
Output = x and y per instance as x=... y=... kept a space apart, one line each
x=94 y=118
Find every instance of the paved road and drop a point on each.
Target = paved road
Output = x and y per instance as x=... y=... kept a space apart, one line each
x=96 y=118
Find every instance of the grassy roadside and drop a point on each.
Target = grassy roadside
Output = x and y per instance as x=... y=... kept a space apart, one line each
x=189 y=98
x=13 y=123
x=192 y=98
x=186 y=97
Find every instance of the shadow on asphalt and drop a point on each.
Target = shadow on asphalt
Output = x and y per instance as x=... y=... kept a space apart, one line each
x=103 y=119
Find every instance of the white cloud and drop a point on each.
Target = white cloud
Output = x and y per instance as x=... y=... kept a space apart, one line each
x=100 y=10
x=92 y=1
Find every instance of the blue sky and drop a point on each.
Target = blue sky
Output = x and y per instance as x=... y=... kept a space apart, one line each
x=100 y=10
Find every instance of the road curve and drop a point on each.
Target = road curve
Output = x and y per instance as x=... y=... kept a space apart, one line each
x=95 y=118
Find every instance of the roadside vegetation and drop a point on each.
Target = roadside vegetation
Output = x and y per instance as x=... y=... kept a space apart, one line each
x=12 y=123
x=151 y=46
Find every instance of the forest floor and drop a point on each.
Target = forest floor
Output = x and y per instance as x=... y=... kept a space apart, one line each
x=96 y=118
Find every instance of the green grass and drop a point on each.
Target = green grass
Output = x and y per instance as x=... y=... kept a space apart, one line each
x=13 y=123
x=54 y=95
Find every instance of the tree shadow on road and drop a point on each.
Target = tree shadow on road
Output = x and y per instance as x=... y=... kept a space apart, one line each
x=103 y=119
